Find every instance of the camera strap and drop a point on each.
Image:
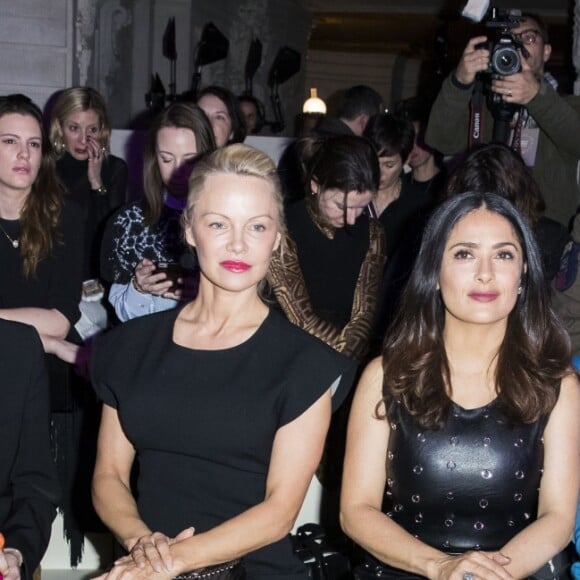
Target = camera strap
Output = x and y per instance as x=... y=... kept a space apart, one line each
x=521 y=118
x=476 y=107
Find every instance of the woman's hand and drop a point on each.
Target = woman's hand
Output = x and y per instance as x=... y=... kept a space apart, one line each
x=153 y=550
x=148 y=282
x=187 y=288
x=130 y=571
x=10 y=562
x=63 y=349
x=480 y=565
x=95 y=162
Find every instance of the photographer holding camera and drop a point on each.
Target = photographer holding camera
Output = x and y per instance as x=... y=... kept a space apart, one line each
x=544 y=127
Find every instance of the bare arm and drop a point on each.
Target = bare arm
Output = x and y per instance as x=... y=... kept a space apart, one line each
x=296 y=452
x=52 y=327
x=112 y=497
x=47 y=321
x=552 y=531
x=295 y=456
x=362 y=495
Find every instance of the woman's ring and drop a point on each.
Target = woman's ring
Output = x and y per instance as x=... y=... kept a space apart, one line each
x=509 y=95
x=468 y=576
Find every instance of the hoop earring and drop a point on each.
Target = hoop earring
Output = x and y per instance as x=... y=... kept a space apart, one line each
x=59 y=146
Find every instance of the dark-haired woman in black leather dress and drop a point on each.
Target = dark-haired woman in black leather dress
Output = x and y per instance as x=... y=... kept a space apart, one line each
x=472 y=408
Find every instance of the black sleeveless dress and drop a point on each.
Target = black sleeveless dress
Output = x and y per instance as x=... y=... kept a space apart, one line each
x=471 y=485
x=203 y=421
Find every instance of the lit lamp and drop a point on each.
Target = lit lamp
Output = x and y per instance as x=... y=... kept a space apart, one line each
x=314 y=105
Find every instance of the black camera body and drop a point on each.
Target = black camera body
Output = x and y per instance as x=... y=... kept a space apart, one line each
x=505 y=59
x=505 y=51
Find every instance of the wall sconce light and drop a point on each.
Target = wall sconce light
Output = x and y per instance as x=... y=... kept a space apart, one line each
x=314 y=105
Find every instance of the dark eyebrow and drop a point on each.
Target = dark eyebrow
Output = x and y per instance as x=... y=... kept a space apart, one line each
x=504 y=244
x=464 y=245
x=38 y=137
x=475 y=245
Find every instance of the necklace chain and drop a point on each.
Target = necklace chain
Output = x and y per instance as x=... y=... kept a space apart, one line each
x=15 y=242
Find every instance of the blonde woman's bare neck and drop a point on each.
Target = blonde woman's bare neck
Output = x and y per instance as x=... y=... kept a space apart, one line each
x=218 y=320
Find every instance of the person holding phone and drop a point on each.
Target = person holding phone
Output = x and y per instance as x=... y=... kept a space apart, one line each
x=146 y=233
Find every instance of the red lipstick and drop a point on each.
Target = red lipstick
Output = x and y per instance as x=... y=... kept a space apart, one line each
x=235 y=266
x=483 y=296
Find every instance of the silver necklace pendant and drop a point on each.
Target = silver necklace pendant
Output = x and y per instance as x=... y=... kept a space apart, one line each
x=15 y=242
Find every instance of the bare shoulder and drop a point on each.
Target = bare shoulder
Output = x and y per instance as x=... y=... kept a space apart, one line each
x=569 y=390
x=370 y=385
x=372 y=376
x=567 y=407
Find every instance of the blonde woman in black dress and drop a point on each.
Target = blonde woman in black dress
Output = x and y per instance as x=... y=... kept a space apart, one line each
x=225 y=403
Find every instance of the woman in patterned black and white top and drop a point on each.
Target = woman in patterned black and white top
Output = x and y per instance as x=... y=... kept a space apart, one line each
x=146 y=233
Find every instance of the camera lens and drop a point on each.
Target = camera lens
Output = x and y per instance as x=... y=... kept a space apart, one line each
x=506 y=61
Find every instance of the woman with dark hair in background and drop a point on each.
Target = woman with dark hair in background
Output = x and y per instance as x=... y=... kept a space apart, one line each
x=495 y=167
x=81 y=135
x=475 y=408
x=253 y=113
x=41 y=252
x=402 y=208
x=392 y=137
x=224 y=113
x=326 y=280
x=428 y=176
x=146 y=233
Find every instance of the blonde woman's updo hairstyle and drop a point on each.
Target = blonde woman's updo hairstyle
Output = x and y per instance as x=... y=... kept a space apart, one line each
x=78 y=100
x=237 y=159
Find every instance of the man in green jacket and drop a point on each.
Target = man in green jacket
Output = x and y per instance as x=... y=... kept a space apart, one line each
x=547 y=125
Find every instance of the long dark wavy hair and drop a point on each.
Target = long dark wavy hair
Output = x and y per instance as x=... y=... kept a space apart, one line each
x=534 y=354
x=40 y=214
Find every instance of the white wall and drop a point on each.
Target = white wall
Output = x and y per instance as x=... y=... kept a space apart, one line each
x=35 y=47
